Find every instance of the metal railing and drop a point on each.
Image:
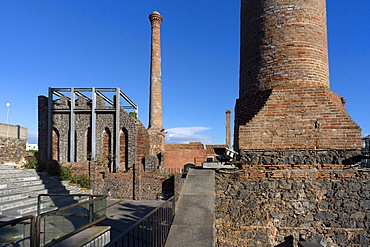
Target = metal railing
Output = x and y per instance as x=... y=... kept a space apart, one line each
x=18 y=232
x=151 y=231
x=54 y=226
x=51 y=202
x=67 y=218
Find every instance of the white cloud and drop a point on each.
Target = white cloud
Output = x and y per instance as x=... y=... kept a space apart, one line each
x=187 y=134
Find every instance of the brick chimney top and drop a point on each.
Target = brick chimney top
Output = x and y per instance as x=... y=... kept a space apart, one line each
x=155 y=16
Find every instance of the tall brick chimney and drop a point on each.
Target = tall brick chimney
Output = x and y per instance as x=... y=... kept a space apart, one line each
x=155 y=114
x=285 y=102
x=155 y=128
x=228 y=143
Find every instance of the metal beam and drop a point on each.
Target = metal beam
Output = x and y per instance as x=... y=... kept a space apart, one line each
x=105 y=98
x=72 y=128
x=117 y=130
x=93 y=125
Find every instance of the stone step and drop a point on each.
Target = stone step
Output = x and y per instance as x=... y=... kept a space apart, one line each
x=7 y=167
x=47 y=205
x=31 y=189
x=16 y=179
x=24 y=184
x=17 y=172
x=17 y=203
x=12 y=197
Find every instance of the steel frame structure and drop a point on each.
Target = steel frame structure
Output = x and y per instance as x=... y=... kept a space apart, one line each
x=101 y=92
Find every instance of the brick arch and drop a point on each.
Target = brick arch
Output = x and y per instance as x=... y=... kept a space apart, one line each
x=55 y=144
x=106 y=146
x=88 y=144
x=123 y=140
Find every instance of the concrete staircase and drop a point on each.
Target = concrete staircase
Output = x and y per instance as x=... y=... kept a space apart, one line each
x=19 y=189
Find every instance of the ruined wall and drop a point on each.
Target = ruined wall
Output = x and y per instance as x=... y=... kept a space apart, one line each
x=13 y=140
x=133 y=135
x=12 y=150
x=176 y=159
x=42 y=115
x=328 y=204
x=135 y=184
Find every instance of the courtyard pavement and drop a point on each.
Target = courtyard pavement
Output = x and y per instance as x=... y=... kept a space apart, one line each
x=121 y=214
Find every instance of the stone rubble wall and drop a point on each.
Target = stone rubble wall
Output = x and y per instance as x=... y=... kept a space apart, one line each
x=257 y=207
x=12 y=150
x=298 y=156
x=134 y=184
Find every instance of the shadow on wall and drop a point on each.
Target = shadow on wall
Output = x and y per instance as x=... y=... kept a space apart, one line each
x=289 y=242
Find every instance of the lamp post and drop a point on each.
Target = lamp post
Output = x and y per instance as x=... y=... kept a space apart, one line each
x=7 y=125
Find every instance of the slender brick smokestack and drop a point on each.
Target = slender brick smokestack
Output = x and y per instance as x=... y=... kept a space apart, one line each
x=228 y=143
x=155 y=114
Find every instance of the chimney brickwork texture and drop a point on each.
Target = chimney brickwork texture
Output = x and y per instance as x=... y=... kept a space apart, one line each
x=155 y=114
x=155 y=109
x=285 y=101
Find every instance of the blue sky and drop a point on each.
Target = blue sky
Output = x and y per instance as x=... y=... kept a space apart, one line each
x=87 y=43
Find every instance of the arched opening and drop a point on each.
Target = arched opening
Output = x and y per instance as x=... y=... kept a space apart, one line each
x=107 y=148
x=88 y=144
x=123 y=141
x=55 y=144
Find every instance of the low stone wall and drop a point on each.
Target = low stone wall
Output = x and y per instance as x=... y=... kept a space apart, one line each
x=271 y=208
x=12 y=150
x=135 y=184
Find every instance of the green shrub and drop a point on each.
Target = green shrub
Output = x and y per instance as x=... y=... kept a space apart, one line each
x=84 y=181
x=65 y=173
x=32 y=162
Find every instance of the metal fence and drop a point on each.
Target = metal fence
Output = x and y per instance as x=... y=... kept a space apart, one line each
x=151 y=231
x=53 y=226
x=18 y=232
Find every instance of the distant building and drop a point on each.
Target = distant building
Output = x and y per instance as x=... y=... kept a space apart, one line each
x=177 y=155
x=366 y=151
x=32 y=147
x=366 y=144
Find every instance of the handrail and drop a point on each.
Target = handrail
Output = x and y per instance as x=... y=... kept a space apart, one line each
x=59 y=195
x=60 y=210
x=18 y=220
x=145 y=219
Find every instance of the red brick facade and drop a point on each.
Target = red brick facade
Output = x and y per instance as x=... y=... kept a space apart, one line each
x=285 y=101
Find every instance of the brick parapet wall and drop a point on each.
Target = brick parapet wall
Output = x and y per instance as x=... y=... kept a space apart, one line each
x=256 y=207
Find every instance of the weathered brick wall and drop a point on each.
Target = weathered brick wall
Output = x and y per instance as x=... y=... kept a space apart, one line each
x=176 y=159
x=285 y=101
x=143 y=142
x=269 y=207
